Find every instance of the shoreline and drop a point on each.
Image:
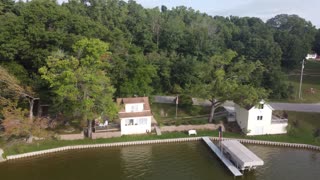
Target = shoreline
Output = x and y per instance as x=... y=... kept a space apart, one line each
x=159 y=141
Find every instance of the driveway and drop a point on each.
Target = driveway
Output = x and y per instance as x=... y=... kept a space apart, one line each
x=296 y=107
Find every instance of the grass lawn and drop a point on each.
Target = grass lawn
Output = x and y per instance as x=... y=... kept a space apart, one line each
x=311 y=79
x=165 y=114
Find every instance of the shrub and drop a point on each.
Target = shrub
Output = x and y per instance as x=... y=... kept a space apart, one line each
x=185 y=101
x=195 y=110
x=316 y=133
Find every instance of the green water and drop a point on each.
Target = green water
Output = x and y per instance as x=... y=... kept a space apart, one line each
x=191 y=160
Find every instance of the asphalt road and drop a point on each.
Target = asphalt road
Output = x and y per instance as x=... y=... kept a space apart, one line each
x=296 y=107
x=277 y=106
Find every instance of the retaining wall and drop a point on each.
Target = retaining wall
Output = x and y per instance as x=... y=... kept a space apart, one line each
x=71 y=136
x=271 y=143
x=246 y=141
x=188 y=127
x=101 y=145
x=106 y=135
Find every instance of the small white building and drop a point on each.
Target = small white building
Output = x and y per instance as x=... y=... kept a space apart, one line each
x=135 y=115
x=258 y=120
x=311 y=56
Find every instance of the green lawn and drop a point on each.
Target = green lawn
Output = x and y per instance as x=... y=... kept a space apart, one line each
x=311 y=79
x=165 y=114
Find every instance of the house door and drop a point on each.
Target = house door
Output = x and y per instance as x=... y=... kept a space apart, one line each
x=258 y=130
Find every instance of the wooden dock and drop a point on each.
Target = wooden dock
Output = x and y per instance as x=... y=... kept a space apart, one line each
x=235 y=171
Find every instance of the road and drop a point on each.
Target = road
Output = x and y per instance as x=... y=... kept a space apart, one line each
x=296 y=107
x=277 y=106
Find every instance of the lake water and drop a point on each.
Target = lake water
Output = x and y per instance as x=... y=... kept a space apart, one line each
x=189 y=160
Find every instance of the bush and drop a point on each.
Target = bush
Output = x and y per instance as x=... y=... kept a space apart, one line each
x=178 y=123
x=195 y=110
x=316 y=133
x=185 y=101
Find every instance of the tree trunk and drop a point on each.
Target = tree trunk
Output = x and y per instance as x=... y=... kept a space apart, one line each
x=31 y=103
x=213 y=108
x=90 y=129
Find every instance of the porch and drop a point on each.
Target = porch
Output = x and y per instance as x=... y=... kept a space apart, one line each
x=278 y=120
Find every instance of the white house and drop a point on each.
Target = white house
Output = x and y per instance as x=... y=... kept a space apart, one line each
x=135 y=115
x=311 y=56
x=258 y=120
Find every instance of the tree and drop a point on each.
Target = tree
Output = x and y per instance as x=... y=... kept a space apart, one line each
x=82 y=81
x=12 y=90
x=295 y=36
x=17 y=123
x=316 y=46
x=17 y=120
x=139 y=75
x=222 y=77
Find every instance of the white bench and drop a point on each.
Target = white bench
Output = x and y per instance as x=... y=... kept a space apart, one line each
x=192 y=132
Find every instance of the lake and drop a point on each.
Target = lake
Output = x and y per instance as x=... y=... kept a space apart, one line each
x=187 y=160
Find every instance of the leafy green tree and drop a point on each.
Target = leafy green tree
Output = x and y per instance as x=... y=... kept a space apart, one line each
x=316 y=46
x=18 y=121
x=12 y=90
x=295 y=36
x=222 y=77
x=82 y=81
x=139 y=75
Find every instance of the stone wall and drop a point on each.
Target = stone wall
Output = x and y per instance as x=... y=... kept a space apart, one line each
x=293 y=145
x=189 y=127
x=106 y=135
x=71 y=136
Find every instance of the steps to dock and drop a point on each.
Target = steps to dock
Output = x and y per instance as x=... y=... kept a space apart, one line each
x=235 y=171
x=1 y=158
x=158 y=131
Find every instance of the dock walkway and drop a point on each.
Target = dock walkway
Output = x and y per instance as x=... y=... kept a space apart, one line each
x=216 y=150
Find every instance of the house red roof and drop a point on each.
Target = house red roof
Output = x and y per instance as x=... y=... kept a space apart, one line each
x=135 y=114
x=123 y=101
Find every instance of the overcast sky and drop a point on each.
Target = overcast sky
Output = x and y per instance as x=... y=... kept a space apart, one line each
x=265 y=9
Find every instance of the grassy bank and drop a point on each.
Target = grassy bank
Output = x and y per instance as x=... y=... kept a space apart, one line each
x=165 y=114
x=310 y=81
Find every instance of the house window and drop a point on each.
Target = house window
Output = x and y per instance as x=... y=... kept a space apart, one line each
x=259 y=117
x=143 y=121
x=134 y=108
x=260 y=106
x=129 y=122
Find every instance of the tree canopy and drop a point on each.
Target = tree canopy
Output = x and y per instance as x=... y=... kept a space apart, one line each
x=119 y=48
x=81 y=82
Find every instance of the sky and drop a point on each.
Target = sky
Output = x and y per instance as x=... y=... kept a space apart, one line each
x=264 y=9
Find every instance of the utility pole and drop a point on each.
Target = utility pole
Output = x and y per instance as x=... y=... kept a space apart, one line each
x=302 y=67
x=177 y=102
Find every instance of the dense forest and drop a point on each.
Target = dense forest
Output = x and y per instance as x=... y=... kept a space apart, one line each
x=147 y=51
